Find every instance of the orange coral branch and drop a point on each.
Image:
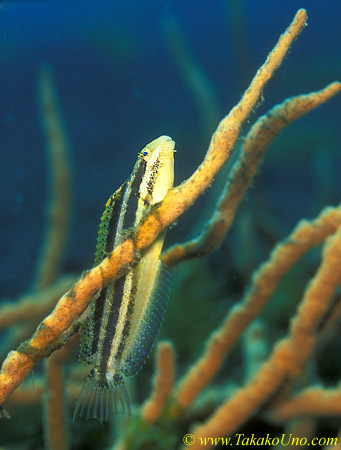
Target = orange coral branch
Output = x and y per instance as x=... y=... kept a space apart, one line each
x=163 y=383
x=27 y=395
x=54 y=417
x=305 y=236
x=313 y=401
x=223 y=140
x=33 y=306
x=253 y=150
x=18 y=364
x=289 y=354
x=57 y=146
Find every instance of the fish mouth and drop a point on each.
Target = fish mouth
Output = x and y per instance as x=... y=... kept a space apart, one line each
x=166 y=138
x=169 y=140
x=164 y=143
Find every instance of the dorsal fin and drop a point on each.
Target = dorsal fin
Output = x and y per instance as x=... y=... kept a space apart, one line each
x=108 y=224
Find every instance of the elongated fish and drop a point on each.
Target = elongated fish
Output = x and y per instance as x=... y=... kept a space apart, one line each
x=124 y=318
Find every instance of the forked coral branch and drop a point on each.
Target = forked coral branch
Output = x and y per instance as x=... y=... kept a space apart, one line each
x=253 y=150
x=313 y=401
x=163 y=383
x=265 y=280
x=289 y=354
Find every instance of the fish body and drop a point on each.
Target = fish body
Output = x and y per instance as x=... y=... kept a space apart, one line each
x=125 y=316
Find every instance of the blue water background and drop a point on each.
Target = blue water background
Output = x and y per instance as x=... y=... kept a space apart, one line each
x=119 y=88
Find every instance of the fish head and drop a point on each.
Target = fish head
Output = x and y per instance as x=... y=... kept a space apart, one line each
x=158 y=156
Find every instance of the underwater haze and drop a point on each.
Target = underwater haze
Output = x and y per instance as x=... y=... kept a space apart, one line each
x=97 y=81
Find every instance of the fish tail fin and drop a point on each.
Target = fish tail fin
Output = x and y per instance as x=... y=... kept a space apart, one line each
x=98 y=399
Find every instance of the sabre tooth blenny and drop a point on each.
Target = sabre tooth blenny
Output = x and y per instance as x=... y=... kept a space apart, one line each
x=124 y=317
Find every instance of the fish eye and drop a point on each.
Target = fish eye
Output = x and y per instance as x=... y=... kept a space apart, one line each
x=144 y=154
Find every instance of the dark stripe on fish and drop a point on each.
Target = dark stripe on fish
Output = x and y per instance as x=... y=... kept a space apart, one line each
x=112 y=321
x=132 y=201
x=113 y=222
